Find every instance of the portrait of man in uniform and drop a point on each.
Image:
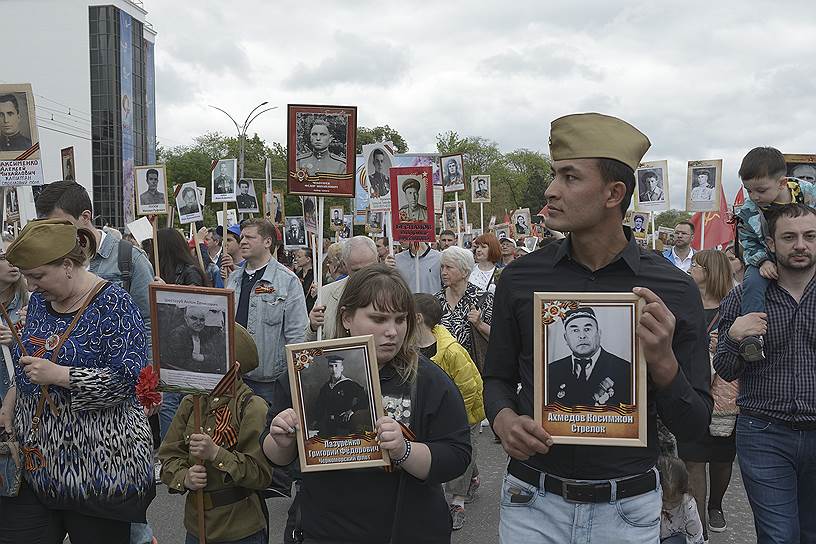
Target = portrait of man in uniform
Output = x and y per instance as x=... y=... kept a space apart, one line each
x=702 y=189
x=650 y=185
x=341 y=407
x=378 y=181
x=345 y=231
x=480 y=188
x=223 y=181
x=246 y=200
x=188 y=204
x=412 y=194
x=319 y=158
x=590 y=375
x=13 y=135
x=195 y=346
x=151 y=187
x=295 y=233
x=337 y=218
x=277 y=214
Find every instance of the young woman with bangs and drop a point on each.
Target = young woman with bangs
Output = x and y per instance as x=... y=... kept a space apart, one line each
x=373 y=505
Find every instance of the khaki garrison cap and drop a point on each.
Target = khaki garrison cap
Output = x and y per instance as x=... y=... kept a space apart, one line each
x=42 y=242
x=411 y=182
x=596 y=136
x=246 y=352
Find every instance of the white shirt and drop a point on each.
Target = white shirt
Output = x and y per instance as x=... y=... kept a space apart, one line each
x=481 y=278
x=682 y=264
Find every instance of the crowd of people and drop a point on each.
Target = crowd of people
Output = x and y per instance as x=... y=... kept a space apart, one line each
x=726 y=334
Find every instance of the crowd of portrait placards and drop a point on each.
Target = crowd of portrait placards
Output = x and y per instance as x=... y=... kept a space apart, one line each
x=277 y=354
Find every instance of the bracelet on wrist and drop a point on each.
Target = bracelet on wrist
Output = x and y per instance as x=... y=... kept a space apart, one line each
x=405 y=455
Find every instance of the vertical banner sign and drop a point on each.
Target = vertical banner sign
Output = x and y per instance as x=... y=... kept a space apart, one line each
x=125 y=74
x=150 y=96
x=412 y=204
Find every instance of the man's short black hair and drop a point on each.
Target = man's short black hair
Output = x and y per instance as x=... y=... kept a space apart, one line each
x=68 y=196
x=188 y=190
x=378 y=151
x=788 y=210
x=612 y=170
x=13 y=99
x=763 y=162
x=243 y=182
x=689 y=223
x=152 y=171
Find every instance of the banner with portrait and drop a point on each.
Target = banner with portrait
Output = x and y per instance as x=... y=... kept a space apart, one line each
x=379 y=158
x=801 y=166
x=20 y=162
x=703 y=186
x=480 y=190
x=412 y=214
x=151 y=189
x=652 y=191
x=590 y=373
x=321 y=150
x=224 y=174
x=68 y=163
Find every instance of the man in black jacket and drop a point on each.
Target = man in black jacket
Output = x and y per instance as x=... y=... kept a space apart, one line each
x=590 y=376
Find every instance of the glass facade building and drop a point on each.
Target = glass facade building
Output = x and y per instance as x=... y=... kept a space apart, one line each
x=120 y=110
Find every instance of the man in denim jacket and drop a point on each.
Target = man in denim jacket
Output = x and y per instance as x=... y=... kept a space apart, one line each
x=269 y=302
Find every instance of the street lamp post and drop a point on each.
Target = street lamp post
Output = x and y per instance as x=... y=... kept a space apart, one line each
x=242 y=131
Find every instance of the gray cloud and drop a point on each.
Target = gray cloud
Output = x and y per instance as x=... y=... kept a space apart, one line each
x=353 y=60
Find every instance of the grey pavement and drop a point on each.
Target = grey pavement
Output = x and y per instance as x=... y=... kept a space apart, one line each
x=482 y=516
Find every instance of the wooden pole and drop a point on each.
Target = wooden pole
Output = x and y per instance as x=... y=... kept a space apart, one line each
x=416 y=267
x=702 y=230
x=319 y=211
x=154 y=223
x=390 y=231
x=202 y=529
x=654 y=233
x=481 y=216
x=458 y=223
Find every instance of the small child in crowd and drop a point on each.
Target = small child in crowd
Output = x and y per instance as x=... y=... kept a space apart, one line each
x=234 y=467
x=679 y=521
x=763 y=173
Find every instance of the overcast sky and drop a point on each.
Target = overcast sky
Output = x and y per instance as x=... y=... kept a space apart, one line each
x=703 y=80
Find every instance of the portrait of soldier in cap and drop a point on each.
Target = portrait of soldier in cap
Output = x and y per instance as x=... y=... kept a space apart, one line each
x=341 y=407
x=412 y=193
x=703 y=183
x=246 y=200
x=319 y=157
x=590 y=375
x=480 y=188
x=650 y=185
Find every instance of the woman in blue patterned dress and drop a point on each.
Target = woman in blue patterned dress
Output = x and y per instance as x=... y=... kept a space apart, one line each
x=89 y=473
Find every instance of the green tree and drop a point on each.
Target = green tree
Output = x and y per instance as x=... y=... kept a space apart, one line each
x=380 y=134
x=670 y=218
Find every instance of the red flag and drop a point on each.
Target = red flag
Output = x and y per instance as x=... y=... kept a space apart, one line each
x=717 y=229
x=739 y=200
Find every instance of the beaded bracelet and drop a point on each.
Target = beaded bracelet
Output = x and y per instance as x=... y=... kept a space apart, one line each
x=404 y=457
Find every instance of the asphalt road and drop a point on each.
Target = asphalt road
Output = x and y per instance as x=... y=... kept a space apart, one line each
x=482 y=521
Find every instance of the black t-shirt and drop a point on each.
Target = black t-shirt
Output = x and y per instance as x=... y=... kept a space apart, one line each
x=248 y=282
x=429 y=351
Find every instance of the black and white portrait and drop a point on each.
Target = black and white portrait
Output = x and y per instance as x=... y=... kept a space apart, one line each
x=277 y=213
x=704 y=181
x=412 y=199
x=223 y=180
x=191 y=334
x=650 y=185
x=294 y=235
x=151 y=189
x=522 y=224
x=590 y=356
x=466 y=240
x=310 y=213
x=348 y=223
x=68 y=163
x=480 y=189
x=502 y=231
x=640 y=223
x=246 y=199
x=453 y=173
x=336 y=218
x=802 y=171
x=378 y=160
x=374 y=220
x=188 y=204
x=15 y=124
x=321 y=143
x=450 y=221
x=12 y=209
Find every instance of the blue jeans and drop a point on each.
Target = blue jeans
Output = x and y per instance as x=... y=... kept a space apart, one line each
x=753 y=291
x=169 y=405
x=258 y=538
x=530 y=515
x=778 y=468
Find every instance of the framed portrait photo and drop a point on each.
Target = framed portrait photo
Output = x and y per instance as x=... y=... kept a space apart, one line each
x=68 y=163
x=703 y=185
x=348 y=227
x=193 y=336
x=522 y=223
x=336 y=394
x=19 y=139
x=449 y=216
x=652 y=186
x=336 y=218
x=379 y=158
x=640 y=224
x=801 y=166
x=151 y=190
x=590 y=373
x=453 y=172
x=294 y=235
x=412 y=203
x=223 y=180
x=466 y=240
x=374 y=222
x=310 y=213
x=480 y=189
x=188 y=203
x=502 y=231
x=277 y=213
x=666 y=235
x=321 y=150
x=247 y=199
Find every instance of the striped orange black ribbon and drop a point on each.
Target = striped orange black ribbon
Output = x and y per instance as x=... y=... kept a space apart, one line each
x=225 y=435
x=33 y=459
x=28 y=152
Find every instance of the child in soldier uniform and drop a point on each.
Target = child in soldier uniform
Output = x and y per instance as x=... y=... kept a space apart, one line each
x=234 y=467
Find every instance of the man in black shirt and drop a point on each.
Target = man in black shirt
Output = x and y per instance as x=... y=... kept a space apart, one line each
x=594 y=158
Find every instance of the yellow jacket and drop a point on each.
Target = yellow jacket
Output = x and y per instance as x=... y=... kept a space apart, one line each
x=454 y=359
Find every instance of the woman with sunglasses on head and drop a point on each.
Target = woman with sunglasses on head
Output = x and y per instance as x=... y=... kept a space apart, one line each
x=406 y=505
